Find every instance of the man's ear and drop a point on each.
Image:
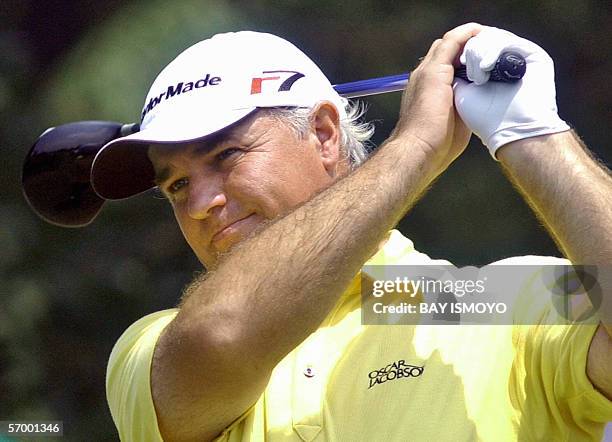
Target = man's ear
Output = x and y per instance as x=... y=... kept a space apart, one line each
x=325 y=124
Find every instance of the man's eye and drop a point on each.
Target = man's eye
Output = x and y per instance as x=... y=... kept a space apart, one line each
x=177 y=185
x=227 y=153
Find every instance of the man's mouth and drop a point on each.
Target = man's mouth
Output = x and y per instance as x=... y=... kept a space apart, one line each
x=232 y=232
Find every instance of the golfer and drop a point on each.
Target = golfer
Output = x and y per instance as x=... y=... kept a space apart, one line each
x=264 y=166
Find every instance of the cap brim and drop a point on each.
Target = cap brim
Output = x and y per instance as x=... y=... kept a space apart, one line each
x=122 y=167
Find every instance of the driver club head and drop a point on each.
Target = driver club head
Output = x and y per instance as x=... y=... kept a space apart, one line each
x=56 y=172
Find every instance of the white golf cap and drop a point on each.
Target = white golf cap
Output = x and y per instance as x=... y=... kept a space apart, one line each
x=210 y=86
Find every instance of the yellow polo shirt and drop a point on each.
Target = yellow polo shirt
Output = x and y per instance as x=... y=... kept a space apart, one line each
x=350 y=382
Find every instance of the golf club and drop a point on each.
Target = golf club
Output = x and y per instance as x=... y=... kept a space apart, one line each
x=56 y=172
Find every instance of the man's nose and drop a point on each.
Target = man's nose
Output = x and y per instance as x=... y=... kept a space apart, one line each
x=204 y=196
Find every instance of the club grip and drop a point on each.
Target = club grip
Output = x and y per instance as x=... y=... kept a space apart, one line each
x=509 y=68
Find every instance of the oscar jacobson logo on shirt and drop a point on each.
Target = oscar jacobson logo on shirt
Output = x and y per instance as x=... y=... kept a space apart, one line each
x=393 y=371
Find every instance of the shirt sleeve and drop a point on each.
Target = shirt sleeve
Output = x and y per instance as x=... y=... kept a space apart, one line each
x=555 y=381
x=552 y=390
x=128 y=379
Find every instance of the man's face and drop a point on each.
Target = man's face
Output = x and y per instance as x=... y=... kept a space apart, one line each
x=221 y=190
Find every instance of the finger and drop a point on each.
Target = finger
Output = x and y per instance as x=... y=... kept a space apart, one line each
x=432 y=48
x=464 y=32
x=446 y=52
x=489 y=59
x=476 y=74
x=471 y=57
x=496 y=39
x=449 y=49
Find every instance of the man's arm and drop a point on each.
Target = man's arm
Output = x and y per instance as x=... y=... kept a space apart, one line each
x=568 y=190
x=214 y=360
x=571 y=193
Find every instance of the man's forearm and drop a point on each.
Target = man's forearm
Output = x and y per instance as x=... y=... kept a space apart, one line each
x=568 y=190
x=275 y=288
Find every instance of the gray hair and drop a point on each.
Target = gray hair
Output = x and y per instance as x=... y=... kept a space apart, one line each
x=354 y=134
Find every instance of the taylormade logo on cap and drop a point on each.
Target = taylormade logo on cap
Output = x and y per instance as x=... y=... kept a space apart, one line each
x=177 y=89
x=286 y=79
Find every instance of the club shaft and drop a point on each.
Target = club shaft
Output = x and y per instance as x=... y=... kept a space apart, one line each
x=373 y=86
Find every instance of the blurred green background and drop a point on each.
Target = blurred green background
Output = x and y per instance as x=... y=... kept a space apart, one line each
x=67 y=294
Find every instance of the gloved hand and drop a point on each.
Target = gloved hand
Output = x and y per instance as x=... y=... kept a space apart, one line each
x=503 y=112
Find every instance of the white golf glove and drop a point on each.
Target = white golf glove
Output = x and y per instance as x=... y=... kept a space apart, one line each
x=499 y=113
